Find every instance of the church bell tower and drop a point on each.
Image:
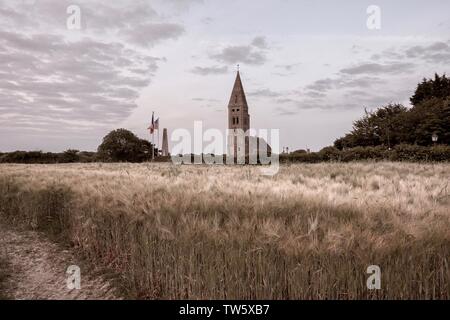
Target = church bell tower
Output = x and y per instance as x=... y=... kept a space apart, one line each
x=238 y=116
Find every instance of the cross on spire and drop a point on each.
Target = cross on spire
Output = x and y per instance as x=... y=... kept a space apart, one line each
x=238 y=67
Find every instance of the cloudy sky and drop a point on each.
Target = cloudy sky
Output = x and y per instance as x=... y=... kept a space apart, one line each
x=309 y=67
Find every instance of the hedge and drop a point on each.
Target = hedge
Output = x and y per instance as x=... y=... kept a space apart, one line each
x=402 y=152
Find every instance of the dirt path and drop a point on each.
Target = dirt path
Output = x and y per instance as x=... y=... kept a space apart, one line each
x=36 y=269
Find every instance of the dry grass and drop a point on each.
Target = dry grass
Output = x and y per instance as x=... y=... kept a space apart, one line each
x=196 y=232
x=4 y=274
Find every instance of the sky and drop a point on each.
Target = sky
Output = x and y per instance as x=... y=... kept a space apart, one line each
x=309 y=68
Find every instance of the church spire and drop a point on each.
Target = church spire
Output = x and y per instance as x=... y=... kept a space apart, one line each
x=238 y=95
x=238 y=116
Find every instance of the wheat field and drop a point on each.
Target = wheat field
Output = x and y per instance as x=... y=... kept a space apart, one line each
x=228 y=232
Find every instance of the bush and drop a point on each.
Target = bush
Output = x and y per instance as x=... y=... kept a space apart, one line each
x=29 y=157
x=301 y=157
x=440 y=153
x=402 y=152
x=364 y=153
x=330 y=154
x=420 y=153
x=39 y=157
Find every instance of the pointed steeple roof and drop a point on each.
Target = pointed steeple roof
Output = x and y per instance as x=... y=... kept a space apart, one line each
x=238 y=95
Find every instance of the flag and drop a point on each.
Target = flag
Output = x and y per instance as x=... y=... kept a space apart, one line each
x=156 y=125
x=152 y=125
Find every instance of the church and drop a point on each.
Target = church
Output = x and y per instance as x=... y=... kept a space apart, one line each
x=239 y=119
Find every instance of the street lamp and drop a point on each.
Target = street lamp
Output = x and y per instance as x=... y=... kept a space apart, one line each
x=434 y=138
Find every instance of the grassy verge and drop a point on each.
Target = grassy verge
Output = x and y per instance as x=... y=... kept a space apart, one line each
x=210 y=233
x=4 y=274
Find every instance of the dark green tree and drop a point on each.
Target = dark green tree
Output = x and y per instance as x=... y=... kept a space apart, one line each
x=430 y=117
x=70 y=155
x=381 y=127
x=123 y=145
x=439 y=87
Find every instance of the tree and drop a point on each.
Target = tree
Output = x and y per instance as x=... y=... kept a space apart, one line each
x=300 y=151
x=329 y=153
x=70 y=155
x=381 y=127
x=86 y=156
x=439 y=87
x=123 y=145
x=430 y=113
x=388 y=126
x=431 y=117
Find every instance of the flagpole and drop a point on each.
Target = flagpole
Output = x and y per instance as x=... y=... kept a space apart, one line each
x=153 y=145
x=153 y=135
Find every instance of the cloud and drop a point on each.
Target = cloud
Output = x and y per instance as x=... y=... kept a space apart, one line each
x=297 y=106
x=343 y=82
x=438 y=52
x=182 y=5
x=369 y=84
x=58 y=81
x=389 y=55
x=240 y=54
x=281 y=111
x=208 y=102
x=353 y=87
x=377 y=69
x=207 y=20
x=288 y=67
x=267 y=93
x=252 y=54
x=346 y=100
x=260 y=42
x=315 y=94
x=281 y=74
x=418 y=51
x=323 y=84
x=204 y=71
x=205 y=100
x=286 y=100
x=137 y=23
x=148 y=34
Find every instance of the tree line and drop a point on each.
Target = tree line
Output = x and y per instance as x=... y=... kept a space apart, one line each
x=119 y=145
x=395 y=124
x=68 y=156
